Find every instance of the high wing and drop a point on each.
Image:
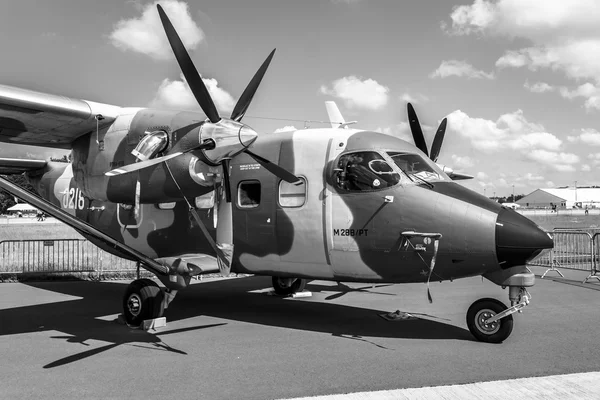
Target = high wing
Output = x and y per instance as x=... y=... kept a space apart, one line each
x=40 y=119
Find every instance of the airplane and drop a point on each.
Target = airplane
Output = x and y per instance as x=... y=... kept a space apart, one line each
x=348 y=205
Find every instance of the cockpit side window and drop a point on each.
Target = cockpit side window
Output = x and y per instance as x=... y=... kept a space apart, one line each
x=364 y=171
x=414 y=165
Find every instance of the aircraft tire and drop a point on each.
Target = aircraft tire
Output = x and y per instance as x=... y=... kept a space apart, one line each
x=496 y=332
x=143 y=299
x=283 y=288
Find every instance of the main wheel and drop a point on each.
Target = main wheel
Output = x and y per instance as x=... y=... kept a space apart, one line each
x=481 y=311
x=287 y=286
x=143 y=299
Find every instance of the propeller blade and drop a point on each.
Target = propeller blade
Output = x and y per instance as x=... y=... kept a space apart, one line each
x=274 y=168
x=188 y=69
x=226 y=182
x=437 y=141
x=207 y=144
x=224 y=233
x=246 y=97
x=141 y=165
x=415 y=128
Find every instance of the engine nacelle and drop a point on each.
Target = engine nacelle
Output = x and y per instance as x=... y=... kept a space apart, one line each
x=145 y=133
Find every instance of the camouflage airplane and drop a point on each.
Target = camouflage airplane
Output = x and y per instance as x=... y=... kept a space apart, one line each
x=347 y=205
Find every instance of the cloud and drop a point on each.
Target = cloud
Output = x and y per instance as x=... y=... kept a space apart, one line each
x=585 y=168
x=459 y=162
x=588 y=136
x=482 y=176
x=594 y=158
x=529 y=177
x=176 y=95
x=588 y=91
x=287 y=128
x=539 y=87
x=460 y=69
x=414 y=99
x=513 y=132
x=563 y=35
x=145 y=34
x=562 y=162
x=357 y=93
x=550 y=184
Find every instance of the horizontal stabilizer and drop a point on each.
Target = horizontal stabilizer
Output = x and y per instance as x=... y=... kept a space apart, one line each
x=10 y=166
x=82 y=227
x=457 y=176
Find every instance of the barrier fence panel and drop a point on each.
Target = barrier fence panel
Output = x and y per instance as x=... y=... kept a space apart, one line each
x=596 y=266
x=573 y=249
x=58 y=255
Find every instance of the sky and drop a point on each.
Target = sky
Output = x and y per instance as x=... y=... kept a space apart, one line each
x=518 y=80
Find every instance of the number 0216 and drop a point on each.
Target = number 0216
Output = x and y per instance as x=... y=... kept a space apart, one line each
x=73 y=199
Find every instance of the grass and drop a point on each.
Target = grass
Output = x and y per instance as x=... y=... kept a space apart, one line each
x=583 y=222
x=44 y=231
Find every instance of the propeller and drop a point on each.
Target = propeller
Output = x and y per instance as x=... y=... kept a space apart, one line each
x=436 y=146
x=437 y=141
x=417 y=132
x=219 y=140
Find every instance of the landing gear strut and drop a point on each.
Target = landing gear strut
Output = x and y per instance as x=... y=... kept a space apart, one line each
x=288 y=286
x=489 y=320
x=143 y=299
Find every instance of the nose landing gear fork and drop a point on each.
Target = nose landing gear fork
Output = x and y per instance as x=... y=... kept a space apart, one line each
x=489 y=320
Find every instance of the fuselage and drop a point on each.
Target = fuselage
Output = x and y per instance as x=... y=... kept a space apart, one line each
x=326 y=228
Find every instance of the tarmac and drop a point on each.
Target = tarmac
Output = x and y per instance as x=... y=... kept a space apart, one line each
x=227 y=339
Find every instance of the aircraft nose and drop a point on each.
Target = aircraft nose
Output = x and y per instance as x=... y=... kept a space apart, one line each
x=518 y=239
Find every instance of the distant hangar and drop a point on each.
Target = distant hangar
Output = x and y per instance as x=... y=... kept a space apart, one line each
x=565 y=197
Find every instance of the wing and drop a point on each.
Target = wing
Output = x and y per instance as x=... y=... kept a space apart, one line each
x=40 y=119
x=10 y=166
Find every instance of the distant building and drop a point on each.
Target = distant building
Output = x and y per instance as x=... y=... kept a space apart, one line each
x=568 y=197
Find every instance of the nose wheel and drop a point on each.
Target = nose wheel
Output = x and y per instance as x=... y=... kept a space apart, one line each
x=483 y=325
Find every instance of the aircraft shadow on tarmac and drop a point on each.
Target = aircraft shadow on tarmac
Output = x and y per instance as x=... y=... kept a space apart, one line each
x=227 y=299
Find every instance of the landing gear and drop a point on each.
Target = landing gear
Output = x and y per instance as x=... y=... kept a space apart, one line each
x=288 y=286
x=143 y=299
x=478 y=320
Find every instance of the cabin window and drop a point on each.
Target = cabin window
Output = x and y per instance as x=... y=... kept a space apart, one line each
x=205 y=201
x=414 y=165
x=364 y=171
x=249 y=194
x=292 y=195
x=167 y=206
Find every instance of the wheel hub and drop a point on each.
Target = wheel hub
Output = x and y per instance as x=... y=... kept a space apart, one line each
x=134 y=304
x=286 y=282
x=483 y=326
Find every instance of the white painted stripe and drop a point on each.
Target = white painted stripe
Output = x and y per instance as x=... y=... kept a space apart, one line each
x=573 y=386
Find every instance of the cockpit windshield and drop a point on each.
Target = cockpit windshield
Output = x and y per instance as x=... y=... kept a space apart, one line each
x=415 y=166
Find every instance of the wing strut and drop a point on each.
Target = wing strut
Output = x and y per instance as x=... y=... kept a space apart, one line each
x=83 y=227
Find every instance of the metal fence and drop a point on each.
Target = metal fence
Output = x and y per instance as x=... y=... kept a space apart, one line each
x=573 y=249
x=58 y=255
